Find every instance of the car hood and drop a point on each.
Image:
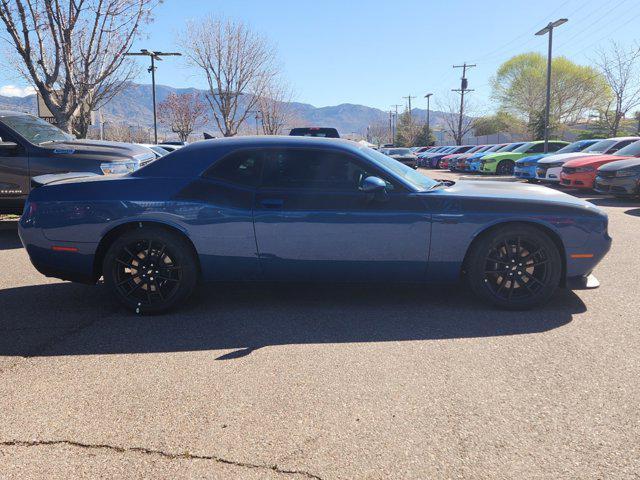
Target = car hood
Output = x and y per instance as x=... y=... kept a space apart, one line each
x=531 y=158
x=100 y=150
x=620 y=164
x=592 y=160
x=515 y=191
x=565 y=157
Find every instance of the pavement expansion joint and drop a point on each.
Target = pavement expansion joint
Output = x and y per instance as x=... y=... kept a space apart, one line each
x=149 y=451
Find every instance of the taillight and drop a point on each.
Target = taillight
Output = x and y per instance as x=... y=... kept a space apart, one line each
x=30 y=210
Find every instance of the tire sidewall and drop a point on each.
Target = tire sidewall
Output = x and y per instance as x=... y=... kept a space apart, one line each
x=475 y=267
x=178 y=246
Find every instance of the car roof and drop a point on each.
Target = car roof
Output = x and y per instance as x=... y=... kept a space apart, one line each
x=197 y=157
x=621 y=139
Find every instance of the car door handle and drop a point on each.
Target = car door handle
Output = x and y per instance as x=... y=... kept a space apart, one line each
x=273 y=203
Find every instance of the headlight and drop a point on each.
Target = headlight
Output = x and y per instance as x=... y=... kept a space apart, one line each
x=488 y=160
x=119 y=168
x=627 y=173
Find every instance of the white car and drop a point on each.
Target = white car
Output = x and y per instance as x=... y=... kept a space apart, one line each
x=548 y=168
x=169 y=147
x=157 y=150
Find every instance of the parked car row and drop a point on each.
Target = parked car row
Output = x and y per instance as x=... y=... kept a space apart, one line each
x=609 y=165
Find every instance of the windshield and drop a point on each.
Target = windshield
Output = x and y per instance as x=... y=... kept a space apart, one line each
x=523 y=148
x=399 y=151
x=510 y=147
x=408 y=174
x=495 y=148
x=35 y=130
x=632 y=150
x=601 y=146
x=576 y=146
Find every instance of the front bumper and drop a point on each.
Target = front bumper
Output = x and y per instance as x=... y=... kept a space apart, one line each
x=577 y=180
x=488 y=167
x=586 y=282
x=551 y=174
x=622 y=186
x=527 y=172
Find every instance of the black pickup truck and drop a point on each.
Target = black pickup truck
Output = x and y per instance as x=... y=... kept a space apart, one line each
x=30 y=146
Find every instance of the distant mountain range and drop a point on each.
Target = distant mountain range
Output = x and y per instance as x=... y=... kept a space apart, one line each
x=133 y=106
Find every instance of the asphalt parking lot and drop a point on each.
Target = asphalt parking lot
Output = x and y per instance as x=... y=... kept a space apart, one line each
x=329 y=382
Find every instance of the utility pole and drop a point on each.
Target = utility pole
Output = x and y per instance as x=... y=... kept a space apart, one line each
x=428 y=97
x=549 y=29
x=463 y=88
x=152 y=70
x=395 y=123
x=391 y=125
x=409 y=97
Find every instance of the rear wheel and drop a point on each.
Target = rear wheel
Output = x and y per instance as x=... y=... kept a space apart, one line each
x=514 y=267
x=150 y=270
x=505 y=167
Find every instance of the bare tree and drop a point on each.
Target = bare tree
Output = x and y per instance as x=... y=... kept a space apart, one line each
x=238 y=64
x=620 y=69
x=183 y=113
x=73 y=52
x=379 y=133
x=450 y=106
x=275 y=106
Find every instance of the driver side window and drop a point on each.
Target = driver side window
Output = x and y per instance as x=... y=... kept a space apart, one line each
x=313 y=169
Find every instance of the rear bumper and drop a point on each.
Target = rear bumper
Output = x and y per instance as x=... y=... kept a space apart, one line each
x=74 y=266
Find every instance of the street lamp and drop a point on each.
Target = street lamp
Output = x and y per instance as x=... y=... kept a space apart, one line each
x=152 y=69
x=428 y=97
x=549 y=29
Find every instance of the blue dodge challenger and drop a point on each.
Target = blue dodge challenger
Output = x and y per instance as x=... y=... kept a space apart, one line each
x=306 y=209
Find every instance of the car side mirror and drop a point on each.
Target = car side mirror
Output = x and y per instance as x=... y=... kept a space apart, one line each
x=374 y=187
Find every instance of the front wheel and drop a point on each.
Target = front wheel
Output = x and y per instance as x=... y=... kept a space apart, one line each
x=505 y=167
x=150 y=270
x=514 y=267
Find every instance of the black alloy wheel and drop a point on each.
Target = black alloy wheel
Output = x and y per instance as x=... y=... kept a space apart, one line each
x=519 y=267
x=150 y=270
x=505 y=167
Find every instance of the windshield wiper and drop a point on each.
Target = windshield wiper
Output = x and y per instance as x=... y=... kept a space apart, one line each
x=46 y=142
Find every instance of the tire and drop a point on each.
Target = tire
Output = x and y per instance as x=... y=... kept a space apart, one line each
x=505 y=167
x=515 y=267
x=150 y=270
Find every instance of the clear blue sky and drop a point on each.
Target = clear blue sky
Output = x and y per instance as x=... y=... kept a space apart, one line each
x=375 y=52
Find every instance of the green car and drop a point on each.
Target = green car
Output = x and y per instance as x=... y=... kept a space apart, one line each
x=503 y=163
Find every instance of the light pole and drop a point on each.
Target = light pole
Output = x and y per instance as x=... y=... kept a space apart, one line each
x=428 y=97
x=152 y=69
x=549 y=29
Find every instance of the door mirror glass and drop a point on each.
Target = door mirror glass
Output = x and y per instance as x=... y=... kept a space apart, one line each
x=373 y=185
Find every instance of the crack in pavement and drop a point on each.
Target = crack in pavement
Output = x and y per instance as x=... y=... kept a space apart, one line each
x=150 y=451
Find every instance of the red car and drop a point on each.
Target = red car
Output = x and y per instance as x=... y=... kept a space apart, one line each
x=581 y=172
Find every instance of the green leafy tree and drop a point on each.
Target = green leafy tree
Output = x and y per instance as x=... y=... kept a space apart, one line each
x=497 y=123
x=519 y=86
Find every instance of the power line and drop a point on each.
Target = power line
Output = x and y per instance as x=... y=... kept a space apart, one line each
x=588 y=27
